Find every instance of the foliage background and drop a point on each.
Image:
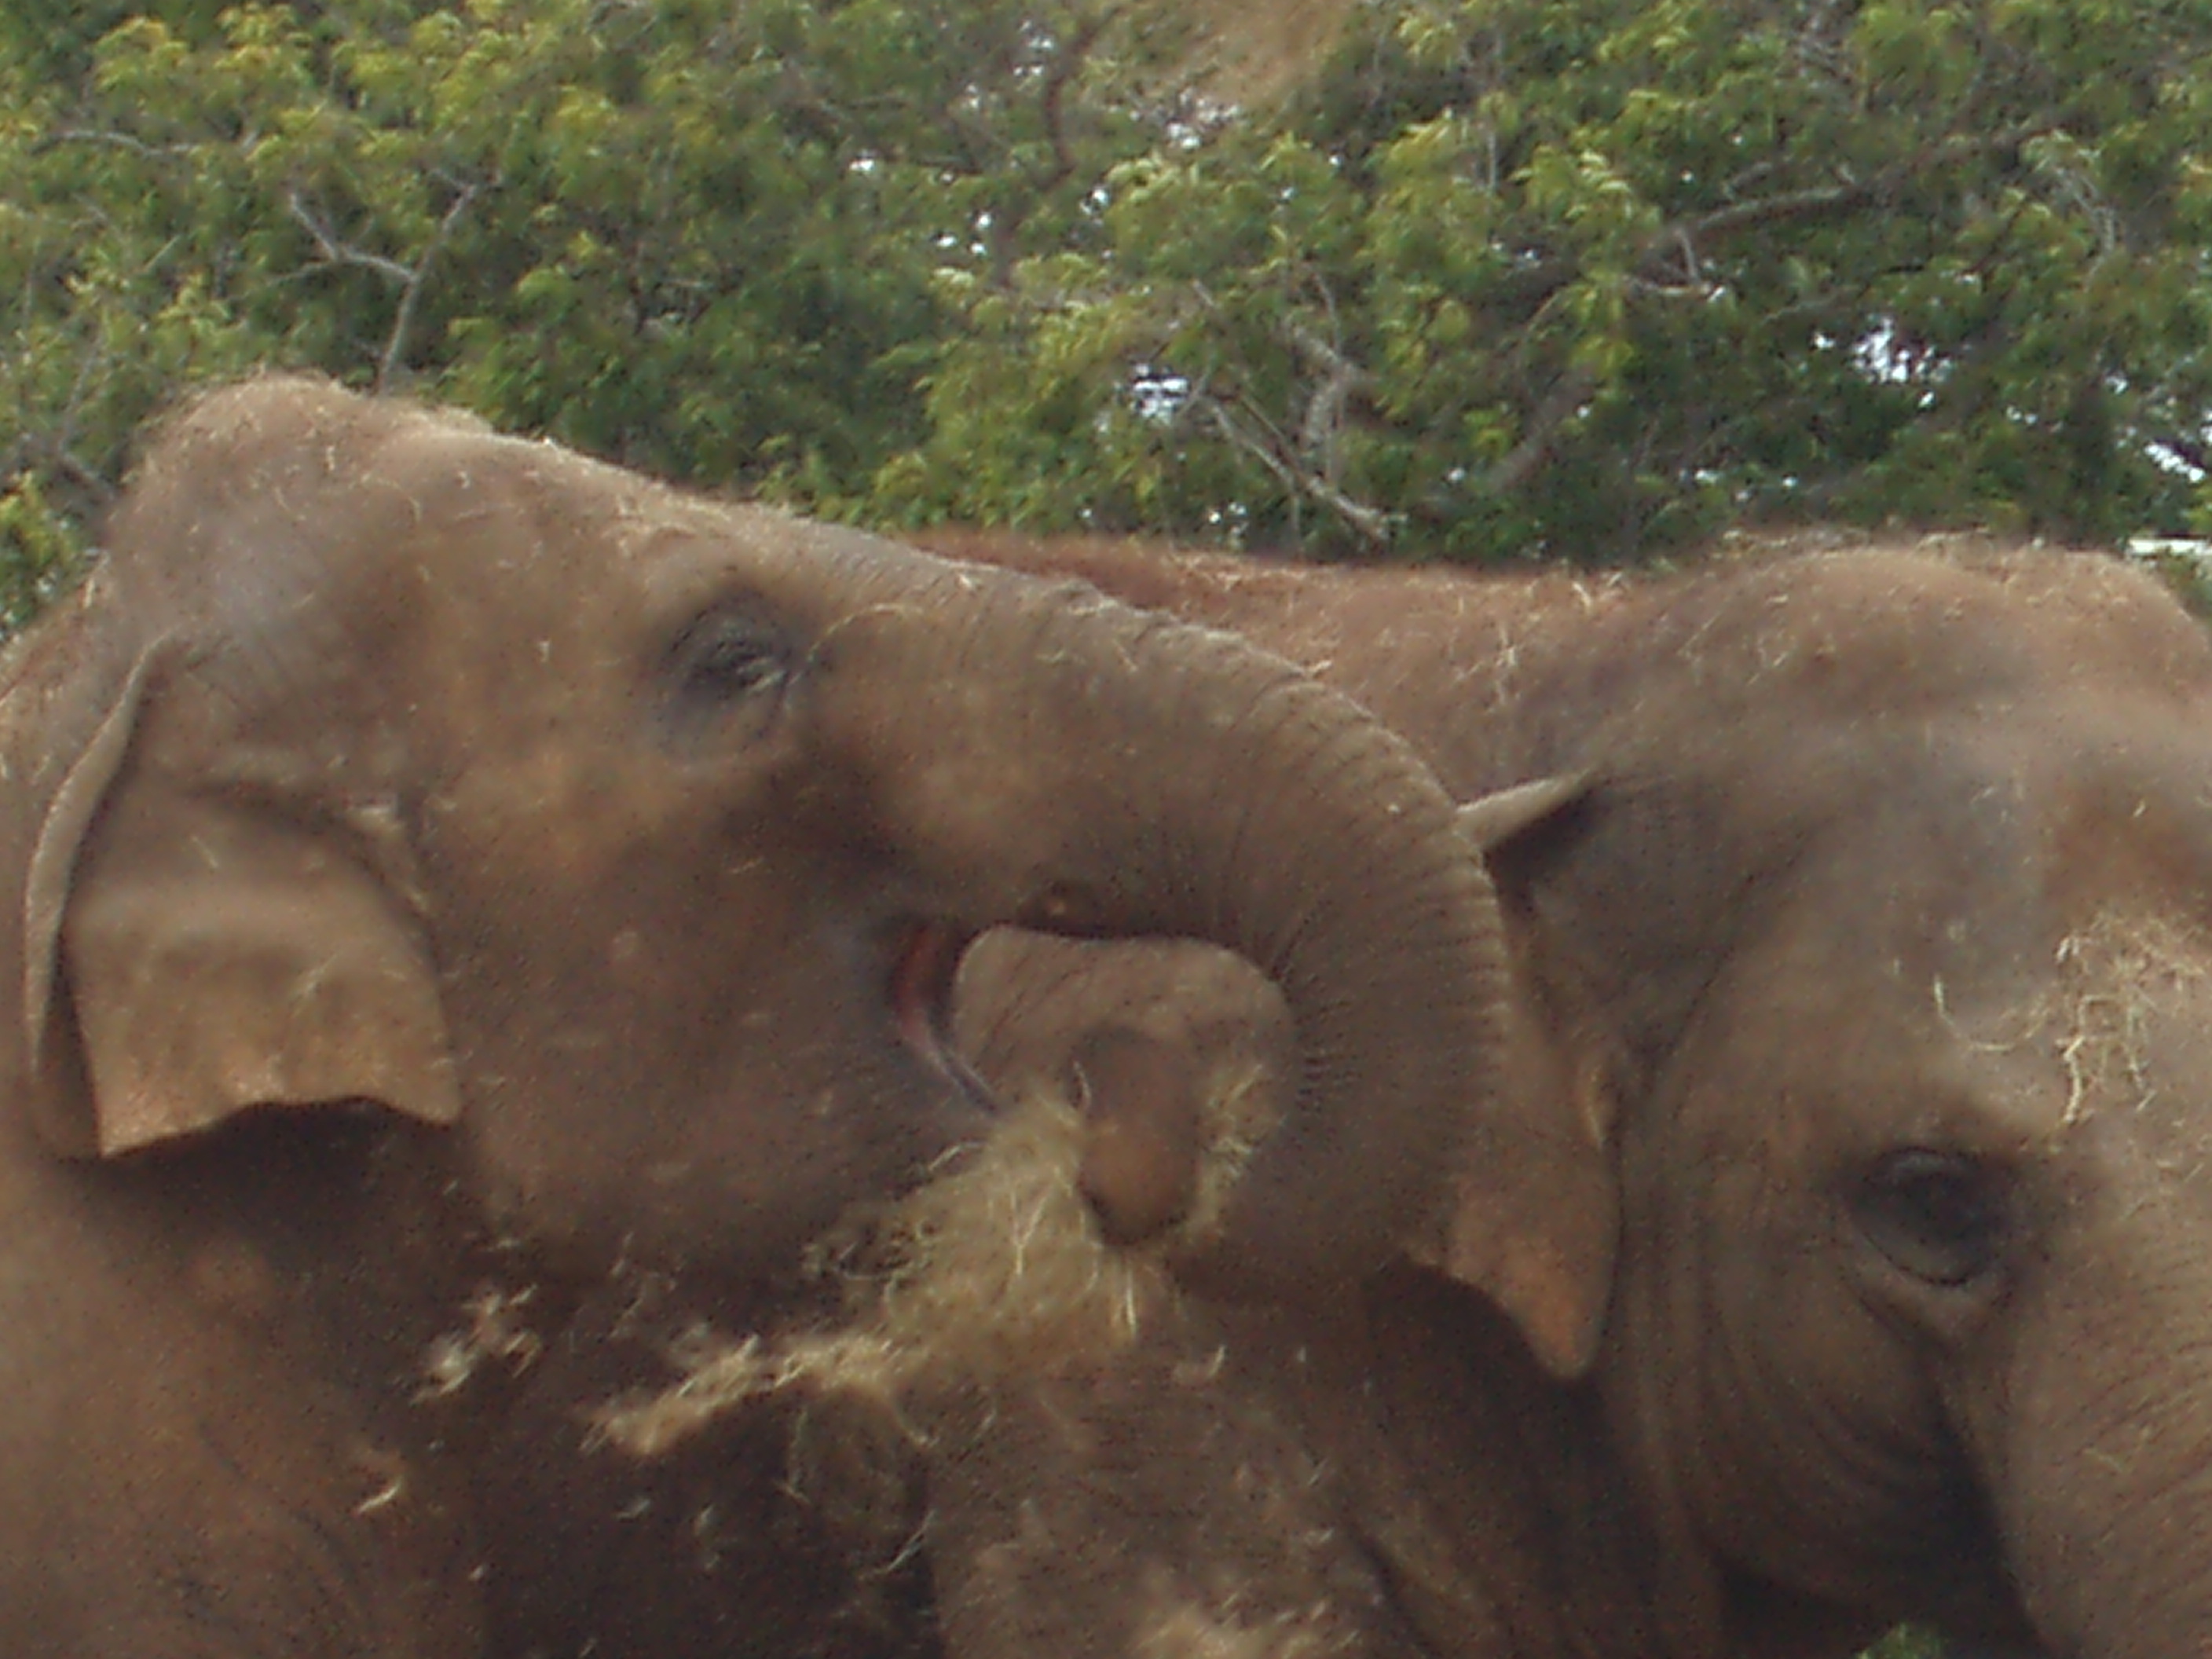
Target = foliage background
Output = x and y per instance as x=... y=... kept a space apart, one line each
x=1480 y=279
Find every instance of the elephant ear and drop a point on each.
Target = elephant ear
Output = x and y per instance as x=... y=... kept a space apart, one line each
x=1620 y=895
x=1533 y=1223
x=190 y=953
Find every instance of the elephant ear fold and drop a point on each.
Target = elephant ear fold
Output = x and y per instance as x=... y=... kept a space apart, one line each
x=1533 y=1221
x=61 y=832
x=1533 y=1225
x=1495 y=819
x=191 y=956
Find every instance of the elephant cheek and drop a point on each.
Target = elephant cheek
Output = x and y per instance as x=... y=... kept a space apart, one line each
x=625 y=955
x=544 y=822
x=769 y=1175
x=733 y=1180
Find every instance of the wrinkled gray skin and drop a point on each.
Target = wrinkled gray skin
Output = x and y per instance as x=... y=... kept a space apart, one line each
x=1872 y=998
x=581 y=867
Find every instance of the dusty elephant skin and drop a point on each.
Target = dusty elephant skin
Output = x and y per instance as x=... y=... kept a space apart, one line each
x=1871 y=978
x=581 y=868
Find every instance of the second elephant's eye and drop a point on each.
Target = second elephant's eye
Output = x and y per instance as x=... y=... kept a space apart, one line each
x=729 y=659
x=1943 y=1217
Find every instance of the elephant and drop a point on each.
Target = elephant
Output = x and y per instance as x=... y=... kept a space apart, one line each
x=483 y=913
x=1867 y=986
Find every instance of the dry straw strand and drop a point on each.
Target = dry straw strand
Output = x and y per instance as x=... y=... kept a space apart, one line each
x=992 y=1271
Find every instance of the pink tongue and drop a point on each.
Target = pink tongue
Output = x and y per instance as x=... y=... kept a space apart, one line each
x=922 y=970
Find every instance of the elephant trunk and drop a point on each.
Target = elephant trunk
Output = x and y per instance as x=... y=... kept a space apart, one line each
x=2105 y=1495
x=1099 y=769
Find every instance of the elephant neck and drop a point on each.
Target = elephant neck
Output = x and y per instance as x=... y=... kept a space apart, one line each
x=1493 y=1493
x=1514 y=1525
x=1496 y=1501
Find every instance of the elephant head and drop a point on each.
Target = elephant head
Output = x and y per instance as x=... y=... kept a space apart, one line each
x=1879 y=959
x=1869 y=985
x=635 y=838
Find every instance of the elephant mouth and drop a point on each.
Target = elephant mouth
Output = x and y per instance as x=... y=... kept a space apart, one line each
x=924 y=963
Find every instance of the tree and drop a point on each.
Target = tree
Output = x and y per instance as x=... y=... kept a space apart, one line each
x=1594 y=277
x=702 y=238
x=1467 y=278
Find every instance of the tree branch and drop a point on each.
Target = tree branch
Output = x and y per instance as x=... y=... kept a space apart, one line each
x=336 y=253
x=1322 y=431
x=1520 y=463
x=1371 y=524
x=114 y=140
x=1825 y=201
x=411 y=278
x=1670 y=257
x=404 y=319
x=88 y=479
x=2189 y=451
x=1052 y=106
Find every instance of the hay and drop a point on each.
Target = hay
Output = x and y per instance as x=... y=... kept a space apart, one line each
x=498 y=1334
x=991 y=1272
x=2112 y=976
x=2110 y=979
x=1189 y=1631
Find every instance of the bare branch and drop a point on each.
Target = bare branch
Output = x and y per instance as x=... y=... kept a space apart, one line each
x=1309 y=469
x=336 y=253
x=89 y=480
x=1670 y=257
x=114 y=140
x=1521 y=462
x=85 y=492
x=1320 y=435
x=1371 y=524
x=404 y=319
x=1846 y=196
x=411 y=278
x=1052 y=106
x=2191 y=451
x=1784 y=209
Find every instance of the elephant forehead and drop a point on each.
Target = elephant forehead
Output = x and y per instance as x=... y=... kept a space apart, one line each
x=566 y=575
x=421 y=522
x=575 y=512
x=284 y=520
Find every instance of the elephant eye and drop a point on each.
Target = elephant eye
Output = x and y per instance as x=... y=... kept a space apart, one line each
x=1942 y=1216
x=728 y=659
